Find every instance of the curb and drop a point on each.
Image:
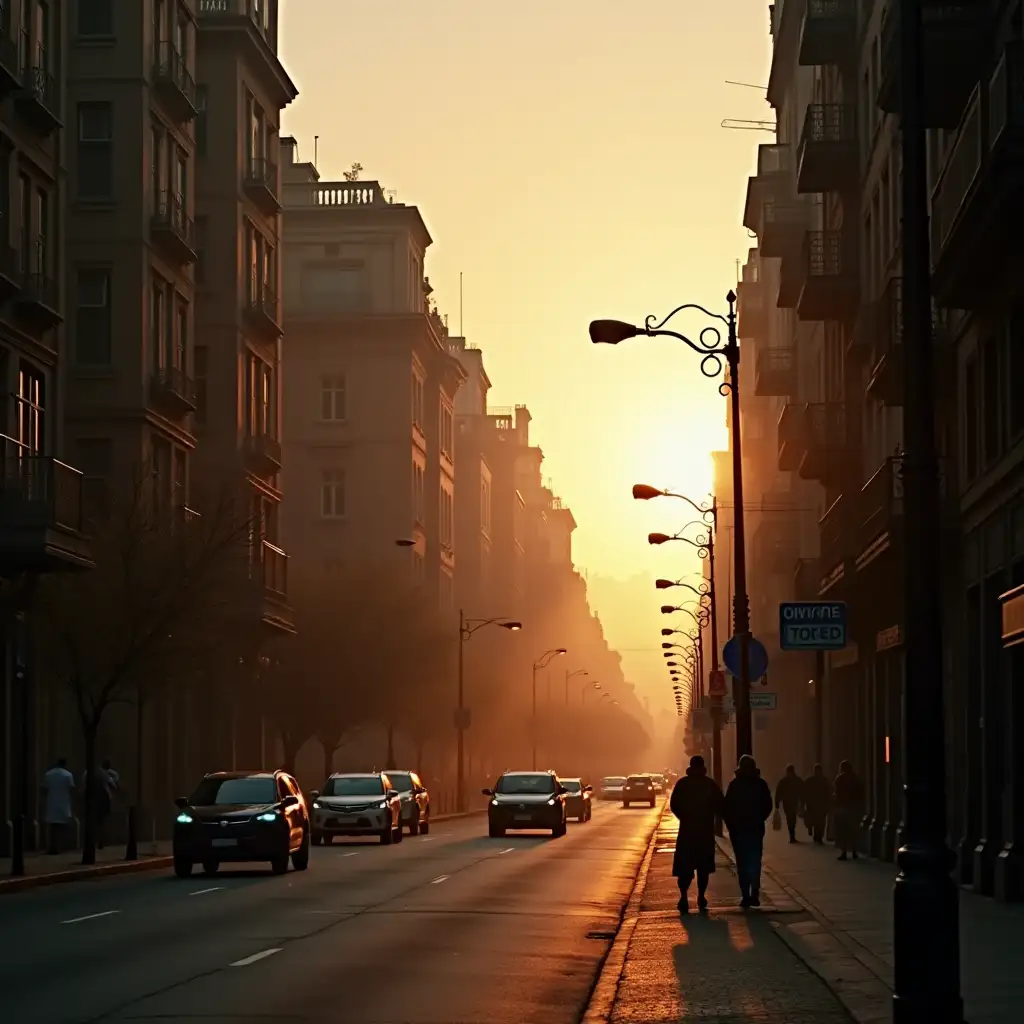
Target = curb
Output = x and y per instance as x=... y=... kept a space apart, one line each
x=84 y=873
x=606 y=988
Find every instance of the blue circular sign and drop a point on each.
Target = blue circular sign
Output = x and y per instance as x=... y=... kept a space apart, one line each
x=757 y=657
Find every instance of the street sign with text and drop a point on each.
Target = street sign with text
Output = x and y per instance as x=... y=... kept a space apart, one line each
x=716 y=684
x=812 y=625
x=764 y=701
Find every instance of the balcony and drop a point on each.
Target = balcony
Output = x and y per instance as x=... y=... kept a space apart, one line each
x=41 y=524
x=976 y=211
x=261 y=309
x=806 y=579
x=831 y=282
x=881 y=507
x=37 y=302
x=782 y=226
x=886 y=382
x=775 y=374
x=10 y=79
x=10 y=269
x=952 y=55
x=828 y=34
x=263 y=454
x=827 y=157
x=172 y=392
x=772 y=182
x=38 y=100
x=174 y=86
x=751 y=310
x=792 y=436
x=835 y=540
x=860 y=341
x=828 y=453
x=172 y=230
x=271 y=577
x=791 y=280
x=260 y=185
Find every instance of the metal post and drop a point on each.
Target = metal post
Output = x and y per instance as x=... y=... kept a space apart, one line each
x=926 y=943
x=533 y=720
x=819 y=707
x=460 y=724
x=741 y=602
x=19 y=824
x=131 y=851
x=716 y=702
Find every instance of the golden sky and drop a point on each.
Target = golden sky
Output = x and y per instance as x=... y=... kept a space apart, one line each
x=567 y=156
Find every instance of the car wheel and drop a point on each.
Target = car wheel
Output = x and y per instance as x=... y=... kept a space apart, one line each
x=398 y=831
x=182 y=868
x=317 y=838
x=300 y=858
x=387 y=837
x=425 y=825
x=414 y=825
x=495 y=833
x=625 y=803
x=582 y=818
x=559 y=830
x=279 y=865
x=652 y=803
x=211 y=867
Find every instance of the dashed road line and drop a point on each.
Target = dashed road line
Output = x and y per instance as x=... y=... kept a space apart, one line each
x=507 y=849
x=245 y=961
x=354 y=853
x=202 y=892
x=90 y=917
x=440 y=879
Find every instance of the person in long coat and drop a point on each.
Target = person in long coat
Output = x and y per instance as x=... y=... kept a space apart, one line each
x=697 y=802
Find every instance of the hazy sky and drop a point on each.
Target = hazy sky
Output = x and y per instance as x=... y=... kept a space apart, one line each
x=567 y=156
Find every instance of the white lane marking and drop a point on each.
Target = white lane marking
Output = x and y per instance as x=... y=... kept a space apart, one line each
x=508 y=850
x=256 y=956
x=439 y=880
x=427 y=839
x=202 y=892
x=90 y=917
x=354 y=853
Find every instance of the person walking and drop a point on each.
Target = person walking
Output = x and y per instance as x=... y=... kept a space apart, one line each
x=58 y=788
x=848 y=805
x=102 y=798
x=817 y=797
x=696 y=801
x=747 y=806
x=789 y=795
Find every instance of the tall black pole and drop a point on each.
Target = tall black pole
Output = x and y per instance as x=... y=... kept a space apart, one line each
x=460 y=725
x=926 y=942
x=741 y=602
x=533 y=721
x=19 y=824
x=716 y=702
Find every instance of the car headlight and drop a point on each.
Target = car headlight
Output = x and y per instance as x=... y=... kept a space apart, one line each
x=383 y=805
x=317 y=806
x=268 y=816
x=552 y=802
x=184 y=819
x=494 y=803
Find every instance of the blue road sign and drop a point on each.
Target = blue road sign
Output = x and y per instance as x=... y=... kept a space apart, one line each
x=812 y=625
x=757 y=657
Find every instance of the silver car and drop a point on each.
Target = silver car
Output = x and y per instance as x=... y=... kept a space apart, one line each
x=364 y=804
x=415 y=801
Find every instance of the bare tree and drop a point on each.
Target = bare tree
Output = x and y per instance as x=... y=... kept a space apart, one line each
x=352 y=174
x=160 y=602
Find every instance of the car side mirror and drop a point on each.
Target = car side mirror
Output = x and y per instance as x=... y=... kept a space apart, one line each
x=562 y=790
x=487 y=792
x=314 y=794
x=290 y=800
x=588 y=789
x=181 y=802
x=420 y=790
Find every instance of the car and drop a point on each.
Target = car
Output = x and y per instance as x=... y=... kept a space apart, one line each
x=612 y=786
x=234 y=817
x=577 y=799
x=526 y=800
x=357 y=804
x=659 y=782
x=638 y=789
x=415 y=801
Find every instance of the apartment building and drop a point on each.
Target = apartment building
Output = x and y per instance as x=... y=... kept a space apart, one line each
x=41 y=517
x=370 y=393
x=835 y=76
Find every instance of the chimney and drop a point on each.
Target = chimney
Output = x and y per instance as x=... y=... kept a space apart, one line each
x=289 y=149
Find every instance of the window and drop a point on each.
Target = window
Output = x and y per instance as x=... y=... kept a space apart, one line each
x=971 y=418
x=95 y=460
x=332 y=494
x=95 y=155
x=332 y=398
x=158 y=324
x=95 y=17
x=29 y=406
x=201 y=243
x=485 y=506
x=179 y=185
x=200 y=359
x=202 y=120
x=417 y=401
x=446 y=427
x=447 y=517
x=262 y=409
x=158 y=162
x=180 y=354
x=418 y=492
x=92 y=317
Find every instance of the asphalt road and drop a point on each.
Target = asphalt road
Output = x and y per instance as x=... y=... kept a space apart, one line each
x=451 y=928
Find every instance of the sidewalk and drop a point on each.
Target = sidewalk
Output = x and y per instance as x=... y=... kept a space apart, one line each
x=849 y=941
x=727 y=966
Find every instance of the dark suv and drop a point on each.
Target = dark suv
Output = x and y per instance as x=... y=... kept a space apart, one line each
x=527 y=800
x=639 y=789
x=242 y=816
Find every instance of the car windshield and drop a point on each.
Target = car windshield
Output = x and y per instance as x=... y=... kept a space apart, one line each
x=572 y=785
x=354 y=785
x=659 y=778
x=401 y=781
x=614 y=780
x=525 y=784
x=639 y=780
x=214 y=791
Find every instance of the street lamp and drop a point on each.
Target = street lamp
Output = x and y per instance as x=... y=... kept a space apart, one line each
x=926 y=926
x=570 y=675
x=712 y=353
x=542 y=662
x=467 y=627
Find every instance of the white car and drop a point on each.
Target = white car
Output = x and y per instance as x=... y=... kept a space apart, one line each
x=357 y=805
x=612 y=787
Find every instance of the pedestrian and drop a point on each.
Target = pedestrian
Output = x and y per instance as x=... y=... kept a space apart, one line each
x=789 y=795
x=817 y=797
x=747 y=806
x=848 y=808
x=58 y=788
x=697 y=802
x=101 y=799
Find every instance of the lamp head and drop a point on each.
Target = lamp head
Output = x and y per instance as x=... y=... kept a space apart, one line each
x=512 y=627
x=644 y=492
x=657 y=538
x=666 y=646
x=667 y=632
x=405 y=542
x=560 y=650
x=611 y=332
x=663 y=584
x=668 y=609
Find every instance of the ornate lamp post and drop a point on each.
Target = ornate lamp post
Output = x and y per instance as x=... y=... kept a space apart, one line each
x=542 y=662
x=467 y=627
